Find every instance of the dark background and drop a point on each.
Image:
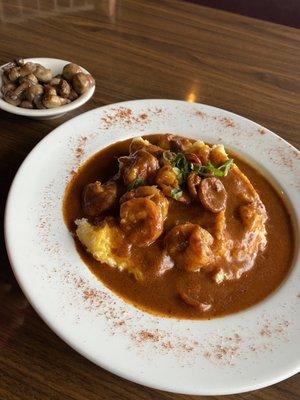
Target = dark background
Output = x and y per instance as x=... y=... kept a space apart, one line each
x=285 y=12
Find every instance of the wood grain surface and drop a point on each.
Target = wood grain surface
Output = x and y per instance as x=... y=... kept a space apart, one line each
x=134 y=49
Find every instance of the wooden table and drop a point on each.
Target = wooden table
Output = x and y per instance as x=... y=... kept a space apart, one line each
x=134 y=49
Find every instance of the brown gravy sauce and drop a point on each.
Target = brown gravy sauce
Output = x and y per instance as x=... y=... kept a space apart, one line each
x=160 y=296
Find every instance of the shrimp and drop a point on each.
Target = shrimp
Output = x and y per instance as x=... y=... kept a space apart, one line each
x=189 y=246
x=139 y=143
x=150 y=192
x=167 y=180
x=173 y=142
x=200 y=149
x=141 y=220
x=98 y=198
x=139 y=165
x=218 y=155
x=193 y=182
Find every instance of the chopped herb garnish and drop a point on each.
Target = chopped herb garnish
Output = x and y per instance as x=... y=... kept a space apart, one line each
x=168 y=156
x=226 y=166
x=211 y=170
x=176 y=193
x=178 y=172
x=181 y=162
x=138 y=182
x=196 y=167
x=182 y=167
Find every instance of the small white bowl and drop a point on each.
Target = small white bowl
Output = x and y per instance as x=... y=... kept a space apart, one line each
x=56 y=66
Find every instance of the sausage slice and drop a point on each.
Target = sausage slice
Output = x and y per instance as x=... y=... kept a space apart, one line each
x=212 y=194
x=97 y=198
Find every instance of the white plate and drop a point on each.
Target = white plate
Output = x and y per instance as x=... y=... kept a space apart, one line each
x=240 y=352
x=56 y=66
